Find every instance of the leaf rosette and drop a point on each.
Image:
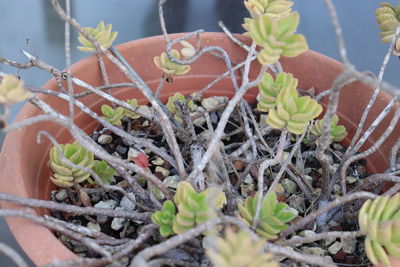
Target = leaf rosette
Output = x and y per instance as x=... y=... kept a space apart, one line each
x=274 y=215
x=65 y=175
x=103 y=34
x=276 y=37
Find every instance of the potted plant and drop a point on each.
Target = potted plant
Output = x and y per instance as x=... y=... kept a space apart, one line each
x=194 y=178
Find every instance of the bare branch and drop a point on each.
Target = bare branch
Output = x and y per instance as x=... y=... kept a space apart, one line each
x=319 y=236
x=334 y=203
x=371 y=102
x=56 y=227
x=96 y=149
x=369 y=151
x=11 y=253
x=148 y=253
x=232 y=37
x=261 y=172
x=146 y=232
x=338 y=31
x=300 y=257
x=37 y=203
x=68 y=63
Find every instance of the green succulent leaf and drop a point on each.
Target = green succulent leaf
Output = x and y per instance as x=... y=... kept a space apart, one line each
x=292 y=111
x=168 y=67
x=239 y=250
x=387 y=17
x=102 y=34
x=165 y=230
x=113 y=116
x=104 y=171
x=64 y=175
x=275 y=9
x=164 y=218
x=171 y=105
x=337 y=132
x=274 y=216
x=268 y=89
x=276 y=37
x=195 y=208
x=379 y=222
x=130 y=114
x=12 y=90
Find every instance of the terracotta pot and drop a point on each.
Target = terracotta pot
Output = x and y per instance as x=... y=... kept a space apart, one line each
x=23 y=163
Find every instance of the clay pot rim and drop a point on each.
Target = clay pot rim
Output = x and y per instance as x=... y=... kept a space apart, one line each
x=83 y=63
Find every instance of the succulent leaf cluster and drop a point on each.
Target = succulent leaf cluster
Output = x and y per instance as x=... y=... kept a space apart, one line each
x=274 y=215
x=379 y=220
x=64 y=175
x=337 y=132
x=130 y=114
x=388 y=18
x=113 y=116
x=165 y=217
x=268 y=89
x=188 y=50
x=195 y=208
x=240 y=250
x=103 y=170
x=276 y=37
x=292 y=111
x=273 y=8
x=172 y=107
x=12 y=90
x=168 y=67
x=102 y=34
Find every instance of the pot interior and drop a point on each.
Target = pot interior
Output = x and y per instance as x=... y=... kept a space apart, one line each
x=23 y=164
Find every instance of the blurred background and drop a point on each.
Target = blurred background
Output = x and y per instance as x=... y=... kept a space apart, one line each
x=34 y=26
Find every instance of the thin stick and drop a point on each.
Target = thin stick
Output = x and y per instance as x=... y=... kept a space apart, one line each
x=393 y=155
x=232 y=37
x=369 y=151
x=68 y=63
x=56 y=227
x=99 y=237
x=26 y=122
x=12 y=254
x=371 y=102
x=97 y=150
x=338 y=31
x=161 y=85
x=372 y=127
x=160 y=109
x=319 y=236
x=67 y=208
x=300 y=257
x=245 y=118
x=105 y=87
x=219 y=131
x=376 y=179
x=261 y=172
x=222 y=76
x=287 y=161
x=324 y=140
x=147 y=231
x=247 y=144
x=130 y=139
x=337 y=202
x=148 y=253
x=393 y=190
x=98 y=91
x=128 y=71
